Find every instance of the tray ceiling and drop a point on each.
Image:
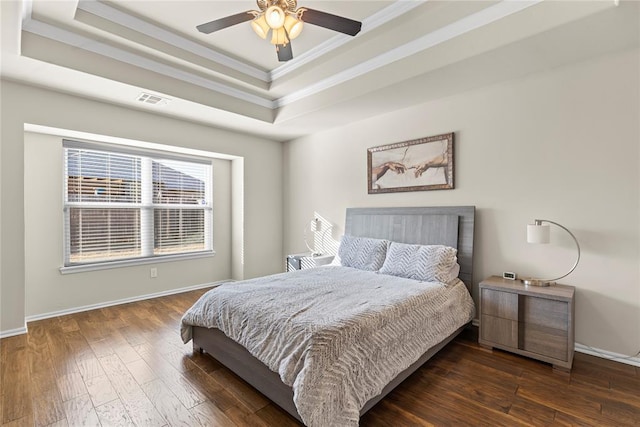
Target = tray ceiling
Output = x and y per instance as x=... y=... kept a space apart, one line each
x=115 y=50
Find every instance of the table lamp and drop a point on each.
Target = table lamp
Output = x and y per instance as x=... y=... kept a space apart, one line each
x=318 y=229
x=540 y=233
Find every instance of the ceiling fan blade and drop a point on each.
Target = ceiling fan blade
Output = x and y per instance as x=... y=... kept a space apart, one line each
x=225 y=22
x=284 y=52
x=332 y=22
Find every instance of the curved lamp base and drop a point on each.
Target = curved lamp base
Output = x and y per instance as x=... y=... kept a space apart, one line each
x=537 y=282
x=536 y=233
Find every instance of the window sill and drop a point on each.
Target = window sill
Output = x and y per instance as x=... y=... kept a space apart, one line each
x=133 y=262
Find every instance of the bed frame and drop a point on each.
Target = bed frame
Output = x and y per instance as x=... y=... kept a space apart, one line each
x=450 y=225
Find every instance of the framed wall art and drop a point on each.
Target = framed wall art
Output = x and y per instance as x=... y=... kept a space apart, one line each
x=417 y=165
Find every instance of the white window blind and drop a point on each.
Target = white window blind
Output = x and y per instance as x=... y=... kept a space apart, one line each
x=121 y=206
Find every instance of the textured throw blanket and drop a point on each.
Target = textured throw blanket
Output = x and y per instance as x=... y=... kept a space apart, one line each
x=336 y=335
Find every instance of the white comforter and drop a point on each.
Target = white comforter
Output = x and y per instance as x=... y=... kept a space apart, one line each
x=336 y=335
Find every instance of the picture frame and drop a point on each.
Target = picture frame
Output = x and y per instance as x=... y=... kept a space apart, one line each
x=417 y=165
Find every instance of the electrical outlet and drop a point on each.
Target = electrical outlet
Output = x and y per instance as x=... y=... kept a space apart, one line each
x=153 y=272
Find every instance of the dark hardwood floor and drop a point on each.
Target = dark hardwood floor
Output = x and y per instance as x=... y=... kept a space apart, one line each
x=126 y=365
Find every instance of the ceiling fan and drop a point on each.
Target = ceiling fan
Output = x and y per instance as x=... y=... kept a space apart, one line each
x=285 y=20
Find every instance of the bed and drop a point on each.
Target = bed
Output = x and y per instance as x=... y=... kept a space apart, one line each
x=376 y=370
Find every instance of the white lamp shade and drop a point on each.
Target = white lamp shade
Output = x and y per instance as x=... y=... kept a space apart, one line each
x=538 y=233
x=293 y=26
x=275 y=17
x=260 y=26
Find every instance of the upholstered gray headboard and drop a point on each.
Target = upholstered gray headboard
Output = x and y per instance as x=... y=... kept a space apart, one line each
x=444 y=225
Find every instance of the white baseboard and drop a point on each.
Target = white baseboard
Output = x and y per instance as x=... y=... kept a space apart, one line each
x=13 y=332
x=604 y=354
x=120 y=301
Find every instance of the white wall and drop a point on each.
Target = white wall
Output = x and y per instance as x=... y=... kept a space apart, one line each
x=49 y=291
x=22 y=104
x=562 y=145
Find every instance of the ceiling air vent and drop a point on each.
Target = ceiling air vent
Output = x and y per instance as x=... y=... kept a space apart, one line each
x=148 y=98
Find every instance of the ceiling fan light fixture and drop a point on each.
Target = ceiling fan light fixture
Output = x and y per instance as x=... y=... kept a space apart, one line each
x=293 y=26
x=279 y=36
x=285 y=20
x=275 y=17
x=260 y=26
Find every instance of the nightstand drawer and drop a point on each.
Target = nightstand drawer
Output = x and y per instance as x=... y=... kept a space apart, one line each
x=500 y=304
x=542 y=340
x=499 y=331
x=528 y=320
x=544 y=312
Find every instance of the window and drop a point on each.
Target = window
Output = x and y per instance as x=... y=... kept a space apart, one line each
x=124 y=205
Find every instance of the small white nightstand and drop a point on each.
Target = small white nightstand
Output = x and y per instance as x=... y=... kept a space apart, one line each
x=306 y=260
x=528 y=320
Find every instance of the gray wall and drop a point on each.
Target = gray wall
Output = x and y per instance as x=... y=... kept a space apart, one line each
x=560 y=145
x=261 y=201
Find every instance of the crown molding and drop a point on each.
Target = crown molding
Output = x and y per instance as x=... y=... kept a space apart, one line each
x=441 y=35
x=368 y=24
x=103 y=10
x=455 y=29
x=81 y=42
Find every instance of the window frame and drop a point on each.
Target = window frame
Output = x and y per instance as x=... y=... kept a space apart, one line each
x=152 y=155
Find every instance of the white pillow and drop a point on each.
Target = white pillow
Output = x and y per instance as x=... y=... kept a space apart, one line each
x=362 y=253
x=427 y=263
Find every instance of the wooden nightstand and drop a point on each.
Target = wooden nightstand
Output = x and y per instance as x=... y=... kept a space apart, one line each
x=532 y=321
x=306 y=260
